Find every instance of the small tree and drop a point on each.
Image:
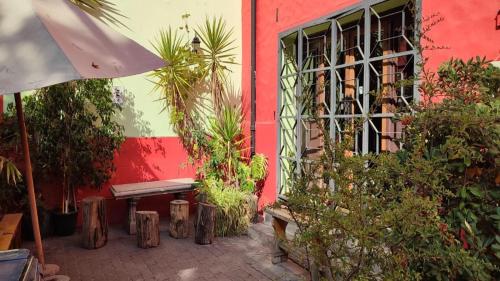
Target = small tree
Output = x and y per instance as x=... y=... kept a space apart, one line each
x=75 y=136
x=427 y=212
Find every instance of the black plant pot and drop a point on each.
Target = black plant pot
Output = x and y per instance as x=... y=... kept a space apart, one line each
x=44 y=220
x=64 y=224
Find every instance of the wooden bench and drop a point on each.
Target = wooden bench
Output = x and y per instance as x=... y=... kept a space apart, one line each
x=10 y=231
x=134 y=191
x=282 y=249
x=280 y=219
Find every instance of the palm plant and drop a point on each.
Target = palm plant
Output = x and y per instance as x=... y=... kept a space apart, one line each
x=103 y=10
x=180 y=82
x=217 y=54
x=227 y=139
x=188 y=76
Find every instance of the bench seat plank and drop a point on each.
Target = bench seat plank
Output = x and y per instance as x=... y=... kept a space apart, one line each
x=144 y=189
x=134 y=191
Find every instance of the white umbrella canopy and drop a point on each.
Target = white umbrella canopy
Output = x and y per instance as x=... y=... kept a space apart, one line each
x=46 y=42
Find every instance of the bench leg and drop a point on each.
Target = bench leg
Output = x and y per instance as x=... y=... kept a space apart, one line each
x=132 y=208
x=279 y=226
x=180 y=196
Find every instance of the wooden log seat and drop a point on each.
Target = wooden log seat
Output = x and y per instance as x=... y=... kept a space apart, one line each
x=95 y=223
x=134 y=191
x=148 y=229
x=10 y=231
x=179 y=219
x=204 y=224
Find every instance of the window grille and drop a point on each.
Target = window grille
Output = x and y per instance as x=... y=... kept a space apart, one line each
x=348 y=69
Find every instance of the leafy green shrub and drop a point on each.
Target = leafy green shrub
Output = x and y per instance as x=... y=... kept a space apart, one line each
x=461 y=134
x=74 y=135
x=375 y=226
x=231 y=215
x=427 y=212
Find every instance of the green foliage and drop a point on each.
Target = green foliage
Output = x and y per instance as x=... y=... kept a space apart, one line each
x=189 y=75
x=227 y=158
x=217 y=53
x=180 y=82
x=258 y=167
x=228 y=175
x=74 y=135
x=427 y=212
x=231 y=215
x=461 y=134
x=102 y=10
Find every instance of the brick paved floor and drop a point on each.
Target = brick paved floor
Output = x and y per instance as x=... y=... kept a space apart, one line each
x=237 y=258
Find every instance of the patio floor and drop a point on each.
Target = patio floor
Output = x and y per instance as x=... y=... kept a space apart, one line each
x=236 y=258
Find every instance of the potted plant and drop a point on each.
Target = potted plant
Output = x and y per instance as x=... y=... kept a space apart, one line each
x=75 y=138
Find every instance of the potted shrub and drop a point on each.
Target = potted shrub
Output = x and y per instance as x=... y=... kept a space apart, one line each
x=75 y=138
x=229 y=177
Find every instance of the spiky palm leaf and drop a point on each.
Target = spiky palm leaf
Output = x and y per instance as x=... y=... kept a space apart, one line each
x=180 y=84
x=9 y=171
x=218 y=55
x=258 y=167
x=103 y=10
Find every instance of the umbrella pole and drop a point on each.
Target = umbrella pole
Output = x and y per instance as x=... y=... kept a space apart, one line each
x=29 y=179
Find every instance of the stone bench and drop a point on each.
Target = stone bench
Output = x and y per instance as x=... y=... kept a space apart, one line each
x=10 y=231
x=135 y=191
x=283 y=249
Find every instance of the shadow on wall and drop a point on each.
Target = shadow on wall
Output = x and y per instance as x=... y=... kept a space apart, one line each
x=133 y=119
x=143 y=157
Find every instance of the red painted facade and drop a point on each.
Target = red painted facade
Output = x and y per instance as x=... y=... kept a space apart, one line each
x=468 y=29
x=139 y=159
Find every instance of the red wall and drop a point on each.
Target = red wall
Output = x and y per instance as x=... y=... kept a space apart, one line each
x=139 y=159
x=468 y=30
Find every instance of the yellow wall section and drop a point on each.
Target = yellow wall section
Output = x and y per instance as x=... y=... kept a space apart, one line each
x=141 y=115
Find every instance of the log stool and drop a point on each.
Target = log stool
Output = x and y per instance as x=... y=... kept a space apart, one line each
x=148 y=229
x=95 y=223
x=179 y=218
x=205 y=224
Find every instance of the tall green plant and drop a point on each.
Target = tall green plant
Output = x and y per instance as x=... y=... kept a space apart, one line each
x=75 y=135
x=181 y=84
x=217 y=52
x=189 y=75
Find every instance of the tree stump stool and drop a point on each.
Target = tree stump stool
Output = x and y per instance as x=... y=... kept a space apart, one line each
x=148 y=229
x=205 y=224
x=179 y=219
x=95 y=223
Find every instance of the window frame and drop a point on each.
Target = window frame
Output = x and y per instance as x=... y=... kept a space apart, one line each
x=364 y=6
